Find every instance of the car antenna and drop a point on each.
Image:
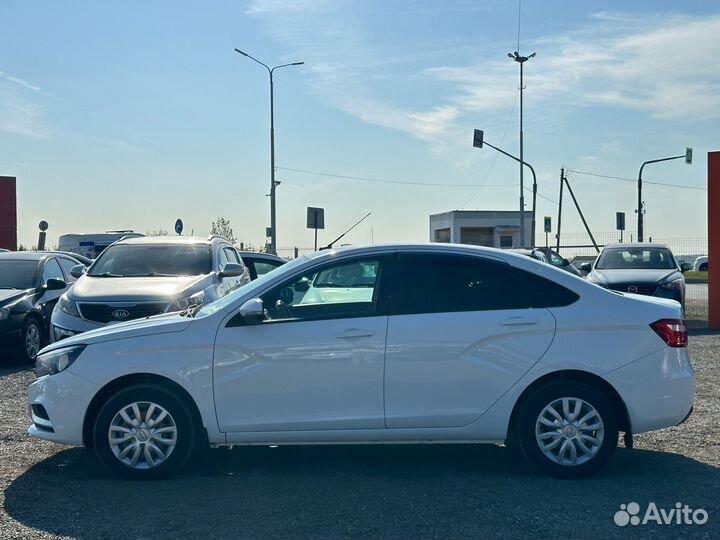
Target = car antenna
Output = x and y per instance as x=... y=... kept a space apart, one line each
x=330 y=245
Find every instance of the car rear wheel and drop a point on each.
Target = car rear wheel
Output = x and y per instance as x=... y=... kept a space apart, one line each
x=703 y=267
x=31 y=341
x=568 y=429
x=144 y=432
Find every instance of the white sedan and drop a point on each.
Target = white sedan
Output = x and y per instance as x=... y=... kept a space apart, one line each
x=428 y=343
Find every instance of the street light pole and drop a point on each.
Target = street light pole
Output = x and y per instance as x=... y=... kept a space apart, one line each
x=521 y=60
x=640 y=218
x=273 y=183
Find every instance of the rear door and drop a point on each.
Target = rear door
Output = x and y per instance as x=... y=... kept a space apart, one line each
x=462 y=330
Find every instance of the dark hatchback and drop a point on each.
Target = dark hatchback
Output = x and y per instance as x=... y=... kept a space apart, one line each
x=30 y=285
x=643 y=268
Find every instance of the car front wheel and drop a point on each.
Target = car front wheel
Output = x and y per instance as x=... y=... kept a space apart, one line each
x=31 y=339
x=568 y=429
x=144 y=432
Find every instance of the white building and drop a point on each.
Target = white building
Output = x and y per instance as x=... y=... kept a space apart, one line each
x=491 y=228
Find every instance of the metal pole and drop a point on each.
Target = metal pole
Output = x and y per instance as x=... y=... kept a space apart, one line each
x=639 y=210
x=562 y=179
x=587 y=228
x=273 y=228
x=522 y=195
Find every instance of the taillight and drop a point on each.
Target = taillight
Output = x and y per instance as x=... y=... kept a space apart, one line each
x=672 y=331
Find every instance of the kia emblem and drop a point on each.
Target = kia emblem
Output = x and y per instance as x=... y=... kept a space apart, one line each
x=120 y=314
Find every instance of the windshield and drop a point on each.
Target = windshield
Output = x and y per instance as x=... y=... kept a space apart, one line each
x=128 y=260
x=636 y=258
x=17 y=274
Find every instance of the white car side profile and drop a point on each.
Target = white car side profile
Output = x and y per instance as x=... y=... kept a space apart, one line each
x=432 y=343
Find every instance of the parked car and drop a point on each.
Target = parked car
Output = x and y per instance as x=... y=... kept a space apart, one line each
x=80 y=259
x=260 y=264
x=432 y=343
x=92 y=244
x=701 y=264
x=554 y=258
x=143 y=276
x=30 y=285
x=642 y=268
x=532 y=253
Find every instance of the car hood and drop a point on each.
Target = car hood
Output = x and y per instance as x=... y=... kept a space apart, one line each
x=89 y=288
x=159 y=324
x=8 y=295
x=639 y=275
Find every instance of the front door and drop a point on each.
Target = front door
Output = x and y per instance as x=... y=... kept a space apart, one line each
x=316 y=361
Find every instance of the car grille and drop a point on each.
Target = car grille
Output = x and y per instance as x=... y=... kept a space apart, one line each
x=104 y=313
x=647 y=290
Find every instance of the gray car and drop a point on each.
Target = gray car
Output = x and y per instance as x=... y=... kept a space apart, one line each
x=141 y=277
x=642 y=268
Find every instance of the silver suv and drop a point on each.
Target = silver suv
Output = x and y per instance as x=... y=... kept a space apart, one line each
x=140 y=277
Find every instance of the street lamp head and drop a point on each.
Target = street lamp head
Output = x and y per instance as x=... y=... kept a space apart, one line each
x=532 y=55
x=510 y=55
x=297 y=63
x=241 y=52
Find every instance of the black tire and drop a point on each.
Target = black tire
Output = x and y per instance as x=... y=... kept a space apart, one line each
x=31 y=327
x=703 y=267
x=550 y=393
x=179 y=415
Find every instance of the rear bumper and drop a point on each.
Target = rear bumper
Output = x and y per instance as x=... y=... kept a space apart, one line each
x=666 y=393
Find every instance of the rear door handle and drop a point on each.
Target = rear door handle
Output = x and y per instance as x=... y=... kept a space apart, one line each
x=518 y=321
x=355 y=333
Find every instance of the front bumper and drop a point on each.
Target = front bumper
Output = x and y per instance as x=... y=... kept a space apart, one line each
x=658 y=389
x=57 y=407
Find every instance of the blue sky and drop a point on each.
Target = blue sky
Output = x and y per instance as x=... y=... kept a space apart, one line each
x=129 y=115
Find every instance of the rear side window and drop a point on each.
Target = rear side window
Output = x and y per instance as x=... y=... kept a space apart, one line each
x=441 y=284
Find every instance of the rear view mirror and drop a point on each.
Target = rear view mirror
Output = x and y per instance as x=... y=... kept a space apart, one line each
x=53 y=284
x=685 y=267
x=232 y=270
x=78 y=270
x=586 y=267
x=253 y=311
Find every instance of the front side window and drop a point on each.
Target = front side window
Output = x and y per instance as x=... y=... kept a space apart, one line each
x=441 y=284
x=52 y=271
x=136 y=260
x=231 y=255
x=340 y=290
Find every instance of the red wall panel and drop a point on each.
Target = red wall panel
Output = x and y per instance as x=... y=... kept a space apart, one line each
x=714 y=238
x=8 y=213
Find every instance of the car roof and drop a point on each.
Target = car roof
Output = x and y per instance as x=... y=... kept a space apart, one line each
x=636 y=245
x=24 y=255
x=169 y=240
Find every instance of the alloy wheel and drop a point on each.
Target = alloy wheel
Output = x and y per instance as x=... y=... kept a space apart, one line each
x=142 y=435
x=32 y=340
x=569 y=431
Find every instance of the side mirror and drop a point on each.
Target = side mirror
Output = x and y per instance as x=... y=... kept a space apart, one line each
x=685 y=267
x=55 y=284
x=253 y=311
x=232 y=270
x=78 y=270
x=302 y=285
x=586 y=267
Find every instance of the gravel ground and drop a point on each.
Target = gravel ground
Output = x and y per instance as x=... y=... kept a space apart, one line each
x=50 y=491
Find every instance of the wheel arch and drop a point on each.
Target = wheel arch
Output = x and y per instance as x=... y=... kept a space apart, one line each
x=623 y=417
x=134 y=379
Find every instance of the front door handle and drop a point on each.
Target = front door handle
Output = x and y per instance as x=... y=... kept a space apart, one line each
x=355 y=333
x=518 y=321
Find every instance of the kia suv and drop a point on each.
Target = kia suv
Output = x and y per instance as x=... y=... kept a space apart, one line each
x=139 y=277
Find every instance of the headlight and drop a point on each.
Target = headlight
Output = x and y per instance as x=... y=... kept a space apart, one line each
x=57 y=360
x=675 y=284
x=68 y=306
x=184 y=303
x=4 y=313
